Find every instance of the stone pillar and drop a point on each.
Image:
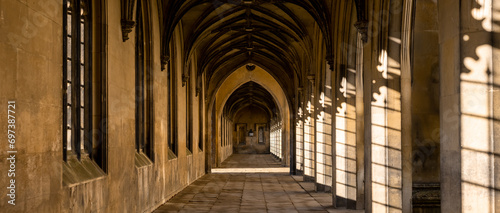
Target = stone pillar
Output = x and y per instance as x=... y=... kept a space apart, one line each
x=309 y=133
x=299 y=134
x=324 y=134
x=360 y=133
x=385 y=151
x=470 y=110
x=345 y=140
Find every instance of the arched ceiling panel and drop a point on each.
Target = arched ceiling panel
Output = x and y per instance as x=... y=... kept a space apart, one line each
x=251 y=94
x=226 y=34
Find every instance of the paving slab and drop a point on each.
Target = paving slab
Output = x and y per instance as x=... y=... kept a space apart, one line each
x=251 y=183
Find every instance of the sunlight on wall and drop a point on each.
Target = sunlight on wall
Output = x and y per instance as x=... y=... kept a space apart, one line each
x=276 y=139
x=478 y=158
x=345 y=146
x=309 y=142
x=386 y=142
x=324 y=141
x=299 y=132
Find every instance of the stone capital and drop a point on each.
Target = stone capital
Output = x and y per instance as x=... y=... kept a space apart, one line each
x=362 y=27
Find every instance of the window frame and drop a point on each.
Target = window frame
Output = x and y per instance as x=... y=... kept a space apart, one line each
x=172 y=104
x=144 y=82
x=81 y=141
x=95 y=92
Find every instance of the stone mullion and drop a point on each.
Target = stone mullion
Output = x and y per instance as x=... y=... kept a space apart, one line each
x=75 y=77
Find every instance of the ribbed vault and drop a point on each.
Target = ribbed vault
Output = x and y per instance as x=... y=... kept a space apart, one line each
x=251 y=94
x=223 y=35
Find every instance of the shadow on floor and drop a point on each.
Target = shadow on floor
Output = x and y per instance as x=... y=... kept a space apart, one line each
x=246 y=191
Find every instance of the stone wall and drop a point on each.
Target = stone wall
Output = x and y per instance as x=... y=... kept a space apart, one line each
x=31 y=53
x=251 y=117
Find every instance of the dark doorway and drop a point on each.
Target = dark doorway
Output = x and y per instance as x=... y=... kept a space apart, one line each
x=242 y=133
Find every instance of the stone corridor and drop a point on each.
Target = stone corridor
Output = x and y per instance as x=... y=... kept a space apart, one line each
x=143 y=106
x=250 y=183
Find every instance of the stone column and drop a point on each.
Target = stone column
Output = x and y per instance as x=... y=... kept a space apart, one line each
x=470 y=160
x=299 y=134
x=324 y=133
x=309 y=133
x=345 y=141
x=385 y=151
x=360 y=133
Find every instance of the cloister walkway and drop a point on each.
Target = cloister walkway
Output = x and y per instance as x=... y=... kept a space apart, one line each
x=250 y=183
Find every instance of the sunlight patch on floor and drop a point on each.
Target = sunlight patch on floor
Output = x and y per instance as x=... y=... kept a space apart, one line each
x=251 y=170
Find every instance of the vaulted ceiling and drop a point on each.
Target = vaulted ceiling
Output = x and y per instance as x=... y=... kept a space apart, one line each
x=277 y=35
x=251 y=94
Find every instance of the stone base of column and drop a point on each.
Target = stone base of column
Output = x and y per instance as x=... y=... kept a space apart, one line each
x=323 y=188
x=426 y=197
x=299 y=172
x=308 y=178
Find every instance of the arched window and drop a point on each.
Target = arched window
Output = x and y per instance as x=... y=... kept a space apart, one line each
x=172 y=101
x=200 y=117
x=84 y=120
x=144 y=83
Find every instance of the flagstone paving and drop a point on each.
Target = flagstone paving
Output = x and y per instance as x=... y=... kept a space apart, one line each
x=273 y=191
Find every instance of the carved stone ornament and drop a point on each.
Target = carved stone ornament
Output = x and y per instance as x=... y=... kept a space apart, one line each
x=250 y=67
x=185 y=78
x=329 y=60
x=127 y=26
x=311 y=78
x=127 y=17
x=164 y=61
x=198 y=91
x=362 y=27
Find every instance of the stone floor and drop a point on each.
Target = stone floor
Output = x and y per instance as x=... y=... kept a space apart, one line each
x=250 y=183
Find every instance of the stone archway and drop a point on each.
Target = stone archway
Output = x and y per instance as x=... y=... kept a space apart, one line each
x=233 y=81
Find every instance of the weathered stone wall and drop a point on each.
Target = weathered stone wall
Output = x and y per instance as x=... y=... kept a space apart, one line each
x=31 y=66
x=31 y=70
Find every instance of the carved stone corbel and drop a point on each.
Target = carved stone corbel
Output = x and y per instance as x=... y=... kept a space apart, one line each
x=185 y=78
x=362 y=27
x=250 y=67
x=127 y=19
x=362 y=24
x=311 y=78
x=164 y=61
x=329 y=61
x=300 y=91
x=198 y=91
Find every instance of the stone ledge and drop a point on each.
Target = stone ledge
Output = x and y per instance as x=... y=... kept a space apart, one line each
x=76 y=172
x=141 y=160
x=171 y=155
